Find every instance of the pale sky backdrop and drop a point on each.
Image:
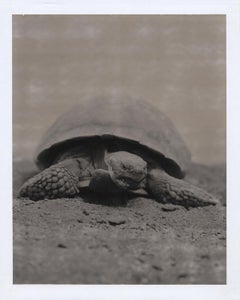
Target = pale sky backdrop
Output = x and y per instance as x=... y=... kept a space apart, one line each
x=175 y=61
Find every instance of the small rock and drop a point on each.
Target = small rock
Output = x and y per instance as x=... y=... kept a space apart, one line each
x=30 y=203
x=157 y=267
x=169 y=207
x=101 y=221
x=182 y=275
x=153 y=226
x=141 y=260
x=116 y=221
x=139 y=214
x=61 y=246
x=205 y=256
x=79 y=221
x=85 y=212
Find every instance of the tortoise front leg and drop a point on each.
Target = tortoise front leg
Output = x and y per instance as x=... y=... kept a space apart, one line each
x=58 y=181
x=167 y=189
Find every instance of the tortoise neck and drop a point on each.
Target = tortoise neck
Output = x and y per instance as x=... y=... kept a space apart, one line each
x=95 y=154
x=98 y=156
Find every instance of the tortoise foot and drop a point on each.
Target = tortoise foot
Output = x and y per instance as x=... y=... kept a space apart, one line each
x=167 y=189
x=58 y=181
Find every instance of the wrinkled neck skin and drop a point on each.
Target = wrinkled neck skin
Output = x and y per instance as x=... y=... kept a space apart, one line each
x=93 y=155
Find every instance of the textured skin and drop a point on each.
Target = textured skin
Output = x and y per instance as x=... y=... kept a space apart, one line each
x=54 y=182
x=58 y=181
x=167 y=189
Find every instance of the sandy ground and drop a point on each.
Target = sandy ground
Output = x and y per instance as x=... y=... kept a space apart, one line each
x=120 y=241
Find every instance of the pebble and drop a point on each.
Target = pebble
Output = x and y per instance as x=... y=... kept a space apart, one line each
x=139 y=214
x=157 y=267
x=205 y=256
x=101 y=221
x=116 y=221
x=182 y=275
x=169 y=207
x=61 y=246
x=28 y=203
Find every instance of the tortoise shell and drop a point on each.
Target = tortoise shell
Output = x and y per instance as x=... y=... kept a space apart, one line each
x=130 y=121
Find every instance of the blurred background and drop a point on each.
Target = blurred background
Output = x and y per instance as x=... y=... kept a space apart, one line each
x=176 y=62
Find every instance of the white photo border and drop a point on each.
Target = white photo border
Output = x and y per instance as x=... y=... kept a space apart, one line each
x=230 y=8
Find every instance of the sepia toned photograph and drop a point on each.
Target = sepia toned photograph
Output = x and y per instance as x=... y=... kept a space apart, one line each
x=119 y=149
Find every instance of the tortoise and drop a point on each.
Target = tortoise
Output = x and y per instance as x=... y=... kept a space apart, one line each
x=113 y=145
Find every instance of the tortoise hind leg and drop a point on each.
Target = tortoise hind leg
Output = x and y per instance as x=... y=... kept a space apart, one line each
x=58 y=181
x=167 y=189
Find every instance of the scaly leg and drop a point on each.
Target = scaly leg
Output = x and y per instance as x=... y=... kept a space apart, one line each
x=167 y=189
x=58 y=181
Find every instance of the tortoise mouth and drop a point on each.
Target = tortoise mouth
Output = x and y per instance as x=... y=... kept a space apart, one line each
x=113 y=143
